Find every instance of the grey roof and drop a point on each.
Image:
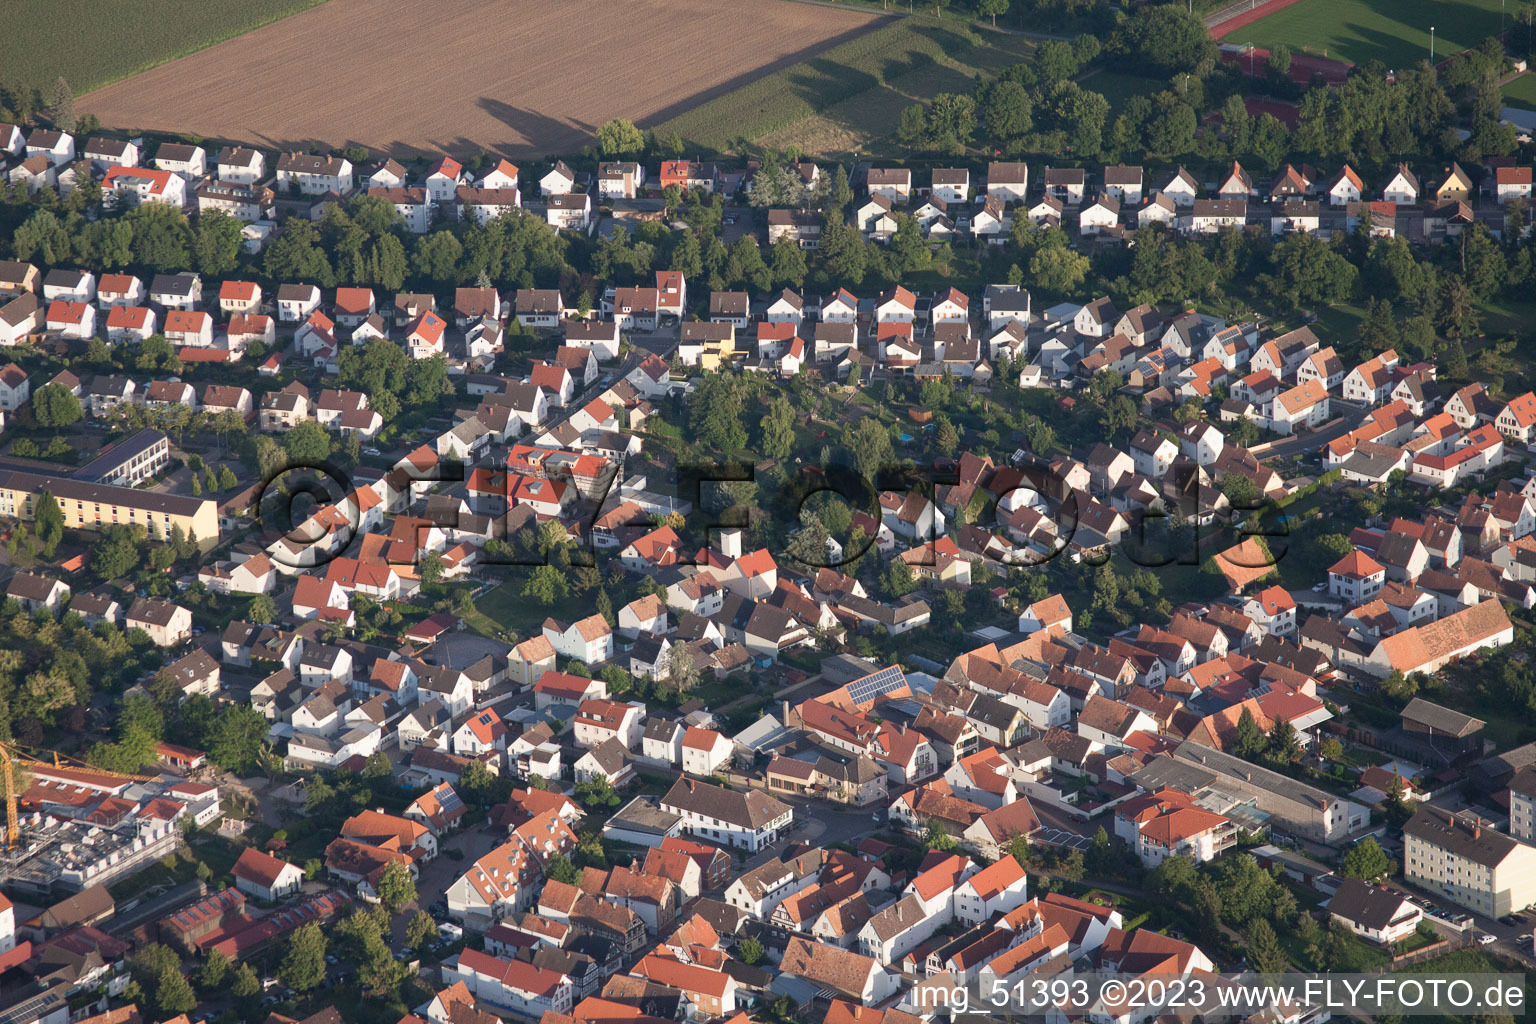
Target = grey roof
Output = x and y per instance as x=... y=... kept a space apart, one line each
x=1441 y=720
x=900 y=916
x=1461 y=837
x=1253 y=775
x=642 y=814
x=751 y=809
x=1173 y=773
x=119 y=454
x=610 y=755
x=1366 y=905
x=764 y=734
x=173 y=284
x=663 y=730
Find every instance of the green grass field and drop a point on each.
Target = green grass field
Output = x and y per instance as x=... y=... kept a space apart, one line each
x=1395 y=32
x=507 y=607
x=91 y=42
x=1521 y=92
x=842 y=99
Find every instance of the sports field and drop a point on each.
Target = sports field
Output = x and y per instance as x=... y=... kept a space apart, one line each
x=1395 y=32
x=850 y=97
x=93 y=42
x=519 y=77
x=1521 y=92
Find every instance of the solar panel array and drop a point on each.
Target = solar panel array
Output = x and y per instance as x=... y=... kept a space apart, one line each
x=876 y=684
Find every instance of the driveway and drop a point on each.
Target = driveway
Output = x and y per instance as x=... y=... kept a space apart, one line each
x=459 y=650
x=442 y=871
x=1351 y=418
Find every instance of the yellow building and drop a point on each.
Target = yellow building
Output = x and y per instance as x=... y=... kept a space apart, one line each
x=88 y=506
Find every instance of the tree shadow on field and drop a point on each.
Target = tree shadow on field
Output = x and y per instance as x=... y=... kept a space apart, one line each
x=801 y=83
x=540 y=132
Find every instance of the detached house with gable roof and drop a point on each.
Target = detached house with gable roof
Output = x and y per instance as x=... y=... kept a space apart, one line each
x=264 y=877
x=749 y=820
x=312 y=174
x=588 y=640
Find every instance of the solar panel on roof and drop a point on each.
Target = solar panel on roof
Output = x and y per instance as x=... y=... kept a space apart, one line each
x=862 y=691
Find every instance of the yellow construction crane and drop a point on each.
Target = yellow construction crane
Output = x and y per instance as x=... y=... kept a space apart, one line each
x=12 y=827
x=9 y=755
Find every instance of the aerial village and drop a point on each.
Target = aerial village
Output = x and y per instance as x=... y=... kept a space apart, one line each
x=510 y=722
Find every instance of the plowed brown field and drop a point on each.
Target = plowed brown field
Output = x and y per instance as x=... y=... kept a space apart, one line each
x=510 y=76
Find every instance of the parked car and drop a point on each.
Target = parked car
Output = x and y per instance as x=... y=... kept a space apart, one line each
x=1486 y=940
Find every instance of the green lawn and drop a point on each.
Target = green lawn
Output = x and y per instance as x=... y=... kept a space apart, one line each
x=507 y=607
x=91 y=42
x=1521 y=92
x=1395 y=32
x=842 y=99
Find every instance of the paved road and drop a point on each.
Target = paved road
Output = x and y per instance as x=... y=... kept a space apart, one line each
x=1316 y=439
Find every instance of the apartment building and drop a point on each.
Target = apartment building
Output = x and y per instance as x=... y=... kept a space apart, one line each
x=1469 y=863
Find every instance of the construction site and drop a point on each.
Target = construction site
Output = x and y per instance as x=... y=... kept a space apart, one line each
x=73 y=827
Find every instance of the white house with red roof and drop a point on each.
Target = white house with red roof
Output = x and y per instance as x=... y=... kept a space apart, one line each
x=896 y=306
x=588 y=640
x=1273 y=610
x=1511 y=183
x=1169 y=823
x=599 y=719
x=556 y=688
x=1344 y=187
x=644 y=615
x=1517 y=421
x=503 y=175
x=245 y=329
x=424 y=339
x=671 y=292
x=443 y=180
x=188 y=328
x=548 y=498
x=511 y=986
x=265 y=877
x=315 y=598
x=705 y=751
x=595 y=415
x=239 y=297
x=15 y=387
x=951 y=307
x=129 y=324
x=145 y=185
x=1048 y=613
x=480 y=733
x=983 y=777
x=1372 y=380
x=555 y=379
x=1357 y=578
x=119 y=290
x=71 y=319
x=995 y=889
x=354 y=305
x=754 y=576
x=1305 y=405
x=440 y=809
